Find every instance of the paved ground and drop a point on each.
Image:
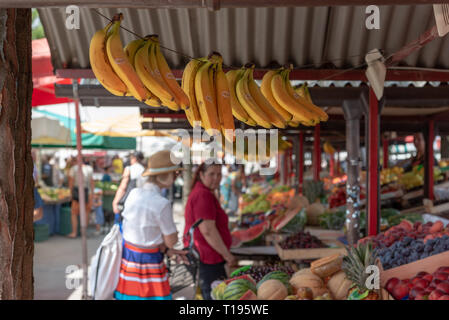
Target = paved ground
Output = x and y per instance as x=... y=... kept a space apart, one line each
x=53 y=258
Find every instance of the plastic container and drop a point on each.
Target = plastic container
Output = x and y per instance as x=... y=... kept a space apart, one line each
x=65 y=223
x=41 y=232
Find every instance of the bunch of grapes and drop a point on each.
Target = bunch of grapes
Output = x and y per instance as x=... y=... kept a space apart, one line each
x=303 y=240
x=409 y=250
x=258 y=272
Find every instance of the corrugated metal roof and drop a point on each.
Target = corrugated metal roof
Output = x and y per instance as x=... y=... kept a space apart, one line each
x=318 y=37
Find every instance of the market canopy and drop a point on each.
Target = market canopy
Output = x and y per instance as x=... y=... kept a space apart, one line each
x=46 y=131
x=89 y=141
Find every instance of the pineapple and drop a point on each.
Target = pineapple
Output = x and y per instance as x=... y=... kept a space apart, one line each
x=354 y=265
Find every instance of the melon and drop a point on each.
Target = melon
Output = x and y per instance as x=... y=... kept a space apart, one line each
x=339 y=285
x=293 y=221
x=218 y=291
x=243 y=276
x=272 y=290
x=298 y=202
x=237 y=288
x=249 y=295
x=251 y=236
x=277 y=275
x=314 y=211
x=307 y=280
x=291 y=297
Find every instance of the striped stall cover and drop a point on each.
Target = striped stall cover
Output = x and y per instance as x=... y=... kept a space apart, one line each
x=143 y=275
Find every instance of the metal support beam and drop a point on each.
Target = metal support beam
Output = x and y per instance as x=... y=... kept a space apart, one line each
x=429 y=160
x=301 y=162
x=385 y=153
x=353 y=113
x=316 y=153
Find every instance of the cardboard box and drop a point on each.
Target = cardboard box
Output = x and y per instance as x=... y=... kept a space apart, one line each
x=407 y=271
x=308 y=254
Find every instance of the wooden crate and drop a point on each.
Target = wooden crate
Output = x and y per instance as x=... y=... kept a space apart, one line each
x=306 y=254
x=407 y=271
x=435 y=209
x=325 y=234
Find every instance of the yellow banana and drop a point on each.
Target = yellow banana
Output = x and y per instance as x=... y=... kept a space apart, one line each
x=237 y=109
x=293 y=124
x=304 y=93
x=280 y=93
x=121 y=65
x=248 y=102
x=275 y=118
x=148 y=77
x=170 y=101
x=205 y=93
x=132 y=47
x=188 y=85
x=223 y=97
x=181 y=98
x=265 y=88
x=100 y=65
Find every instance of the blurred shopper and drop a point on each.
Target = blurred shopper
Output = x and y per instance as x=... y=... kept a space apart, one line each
x=149 y=233
x=117 y=164
x=212 y=238
x=418 y=159
x=231 y=189
x=88 y=188
x=97 y=207
x=107 y=174
x=47 y=171
x=131 y=175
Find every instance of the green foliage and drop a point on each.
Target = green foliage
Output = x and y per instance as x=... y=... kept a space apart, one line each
x=313 y=190
x=37 y=30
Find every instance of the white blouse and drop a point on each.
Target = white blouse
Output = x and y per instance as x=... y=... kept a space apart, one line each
x=147 y=216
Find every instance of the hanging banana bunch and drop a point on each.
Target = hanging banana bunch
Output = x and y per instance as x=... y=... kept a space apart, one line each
x=139 y=70
x=328 y=148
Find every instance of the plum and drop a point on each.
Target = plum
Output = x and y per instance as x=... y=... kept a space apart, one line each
x=401 y=291
x=421 y=283
x=445 y=297
x=436 y=294
x=391 y=283
x=441 y=276
x=415 y=292
x=443 y=286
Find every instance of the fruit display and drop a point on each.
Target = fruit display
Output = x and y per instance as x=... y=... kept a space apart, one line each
x=106 y=186
x=251 y=236
x=423 y=286
x=237 y=288
x=49 y=194
x=272 y=289
x=410 y=250
x=389 y=175
x=301 y=240
x=259 y=272
x=314 y=211
x=313 y=190
x=260 y=204
x=416 y=231
x=415 y=178
x=292 y=221
x=332 y=220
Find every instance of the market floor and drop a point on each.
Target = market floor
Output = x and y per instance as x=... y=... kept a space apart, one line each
x=56 y=262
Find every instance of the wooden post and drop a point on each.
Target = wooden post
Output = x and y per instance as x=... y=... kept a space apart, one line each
x=301 y=161
x=316 y=154
x=16 y=164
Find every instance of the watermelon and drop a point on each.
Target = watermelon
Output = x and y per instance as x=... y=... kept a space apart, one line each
x=249 y=295
x=243 y=276
x=237 y=288
x=251 y=236
x=292 y=222
x=218 y=291
x=277 y=275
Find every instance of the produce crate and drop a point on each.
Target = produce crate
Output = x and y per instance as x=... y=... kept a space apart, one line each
x=65 y=223
x=435 y=209
x=325 y=234
x=406 y=271
x=41 y=232
x=306 y=254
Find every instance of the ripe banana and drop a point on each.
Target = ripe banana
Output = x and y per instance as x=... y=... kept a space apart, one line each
x=275 y=118
x=148 y=77
x=237 y=109
x=280 y=93
x=131 y=49
x=121 y=65
x=170 y=101
x=224 y=101
x=101 y=67
x=205 y=94
x=188 y=85
x=293 y=124
x=181 y=98
x=265 y=88
x=304 y=93
x=248 y=102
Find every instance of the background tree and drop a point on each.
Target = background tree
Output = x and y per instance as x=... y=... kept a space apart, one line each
x=16 y=165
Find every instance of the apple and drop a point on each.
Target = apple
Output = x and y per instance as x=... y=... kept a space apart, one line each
x=391 y=283
x=401 y=290
x=415 y=292
x=445 y=297
x=428 y=277
x=443 y=286
x=422 y=283
x=436 y=294
x=441 y=276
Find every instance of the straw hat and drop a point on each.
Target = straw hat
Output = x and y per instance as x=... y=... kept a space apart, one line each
x=160 y=163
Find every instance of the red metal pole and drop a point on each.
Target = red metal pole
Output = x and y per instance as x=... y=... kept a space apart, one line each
x=316 y=153
x=431 y=137
x=385 y=152
x=373 y=164
x=301 y=161
x=285 y=159
x=331 y=165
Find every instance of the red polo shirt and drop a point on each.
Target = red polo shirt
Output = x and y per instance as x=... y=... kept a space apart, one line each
x=202 y=203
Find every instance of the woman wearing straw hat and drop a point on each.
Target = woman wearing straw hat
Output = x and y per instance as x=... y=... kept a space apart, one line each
x=213 y=239
x=149 y=232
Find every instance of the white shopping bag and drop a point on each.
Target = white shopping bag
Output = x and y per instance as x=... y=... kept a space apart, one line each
x=105 y=266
